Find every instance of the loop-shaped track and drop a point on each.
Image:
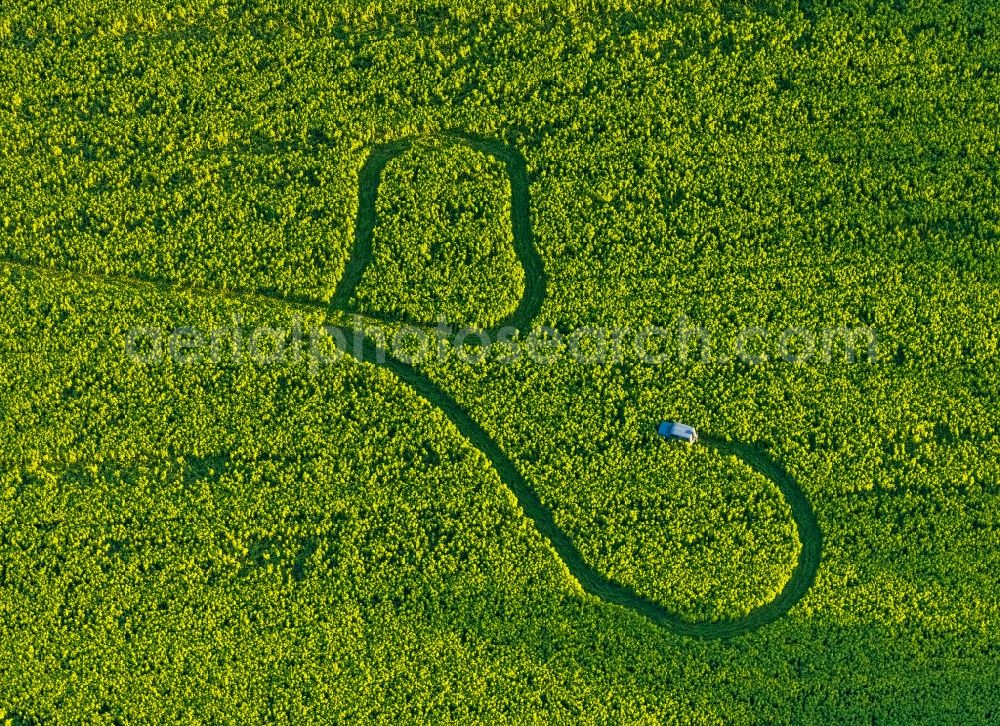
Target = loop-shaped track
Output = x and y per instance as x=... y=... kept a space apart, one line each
x=592 y=581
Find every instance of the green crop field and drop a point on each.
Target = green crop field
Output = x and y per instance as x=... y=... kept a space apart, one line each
x=335 y=338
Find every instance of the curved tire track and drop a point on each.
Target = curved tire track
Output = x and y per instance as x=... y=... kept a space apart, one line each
x=592 y=581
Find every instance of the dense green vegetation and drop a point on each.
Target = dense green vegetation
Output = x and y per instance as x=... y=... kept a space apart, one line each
x=268 y=541
x=720 y=526
x=443 y=246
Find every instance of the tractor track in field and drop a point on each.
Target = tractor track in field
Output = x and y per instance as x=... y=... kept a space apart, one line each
x=590 y=580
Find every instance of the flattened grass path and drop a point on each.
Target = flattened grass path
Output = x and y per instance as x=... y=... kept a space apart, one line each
x=592 y=581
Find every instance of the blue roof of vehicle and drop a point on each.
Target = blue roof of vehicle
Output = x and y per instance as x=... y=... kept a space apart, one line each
x=673 y=427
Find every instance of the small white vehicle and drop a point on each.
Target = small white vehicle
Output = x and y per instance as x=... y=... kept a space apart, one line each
x=674 y=430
